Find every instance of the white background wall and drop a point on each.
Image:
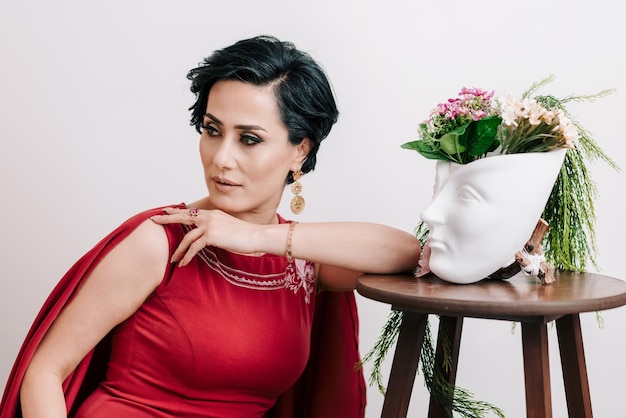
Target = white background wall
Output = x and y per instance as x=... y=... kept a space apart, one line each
x=94 y=127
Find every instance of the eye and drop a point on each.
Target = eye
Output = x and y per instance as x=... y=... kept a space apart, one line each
x=248 y=139
x=210 y=129
x=468 y=194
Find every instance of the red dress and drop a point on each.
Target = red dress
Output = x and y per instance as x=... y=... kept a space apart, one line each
x=224 y=336
x=221 y=337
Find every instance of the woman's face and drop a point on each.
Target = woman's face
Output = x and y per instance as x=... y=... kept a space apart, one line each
x=245 y=150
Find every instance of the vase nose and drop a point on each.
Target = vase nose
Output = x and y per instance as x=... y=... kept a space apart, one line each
x=432 y=215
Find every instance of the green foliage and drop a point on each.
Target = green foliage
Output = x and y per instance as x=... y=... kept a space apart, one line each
x=459 y=400
x=463 y=144
x=378 y=353
x=570 y=243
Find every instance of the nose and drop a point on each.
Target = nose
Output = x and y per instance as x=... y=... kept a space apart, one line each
x=225 y=154
x=433 y=214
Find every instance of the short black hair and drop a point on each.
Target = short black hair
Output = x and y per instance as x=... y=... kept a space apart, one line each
x=303 y=92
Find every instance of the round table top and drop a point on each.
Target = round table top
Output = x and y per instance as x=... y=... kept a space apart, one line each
x=520 y=296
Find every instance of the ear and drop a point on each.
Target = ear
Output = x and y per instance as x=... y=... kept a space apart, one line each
x=302 y=151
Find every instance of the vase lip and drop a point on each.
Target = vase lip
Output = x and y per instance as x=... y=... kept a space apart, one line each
x=492 y=157
x=545 y=164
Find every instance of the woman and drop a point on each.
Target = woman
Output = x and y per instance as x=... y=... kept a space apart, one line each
x=214 y=317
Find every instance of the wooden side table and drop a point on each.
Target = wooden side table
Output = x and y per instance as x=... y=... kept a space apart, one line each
x=521 y=299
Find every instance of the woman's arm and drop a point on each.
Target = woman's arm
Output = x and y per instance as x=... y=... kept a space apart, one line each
x=112 y=292
x=344 y=250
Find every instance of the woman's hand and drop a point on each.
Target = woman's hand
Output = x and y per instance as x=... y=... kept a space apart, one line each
x=213 y=228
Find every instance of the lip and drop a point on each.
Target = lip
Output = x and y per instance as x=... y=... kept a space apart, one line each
x=435 y=244
x=222 y=184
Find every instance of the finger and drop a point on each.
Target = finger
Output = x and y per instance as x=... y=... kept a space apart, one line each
x=192 y=243
x=175 y=215
x=194 y=249
x=184 y=245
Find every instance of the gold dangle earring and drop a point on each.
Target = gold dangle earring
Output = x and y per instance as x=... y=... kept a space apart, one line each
x=297 y=202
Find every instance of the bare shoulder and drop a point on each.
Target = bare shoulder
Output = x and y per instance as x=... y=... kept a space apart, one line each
x=150 y=240
x=113 y=291
x=144 y=254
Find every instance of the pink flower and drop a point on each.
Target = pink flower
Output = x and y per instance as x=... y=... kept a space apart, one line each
x=423 y=268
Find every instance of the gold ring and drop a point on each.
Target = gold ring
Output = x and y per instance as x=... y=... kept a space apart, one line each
x=193 y=214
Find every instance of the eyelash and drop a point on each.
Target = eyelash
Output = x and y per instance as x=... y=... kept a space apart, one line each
x=250 y=139
x=245 y=138
x=210 y=130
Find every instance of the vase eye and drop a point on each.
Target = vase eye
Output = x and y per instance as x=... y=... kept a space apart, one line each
x=468 y=194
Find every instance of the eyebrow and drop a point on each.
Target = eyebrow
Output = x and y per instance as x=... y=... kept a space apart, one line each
x=242 y=127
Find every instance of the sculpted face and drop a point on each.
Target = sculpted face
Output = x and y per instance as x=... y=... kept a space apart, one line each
x=483 y=212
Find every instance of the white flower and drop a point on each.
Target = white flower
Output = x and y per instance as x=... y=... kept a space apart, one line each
x=508 y=101
x=525 y=108
x=535 y=113
x=509 y=109
x=548 y=117
x=569 y=131
x=508 y=117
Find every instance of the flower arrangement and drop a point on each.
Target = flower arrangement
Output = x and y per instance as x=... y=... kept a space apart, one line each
x=529 y=126
x=471 y=125
x=475 y=125
x=460 y=130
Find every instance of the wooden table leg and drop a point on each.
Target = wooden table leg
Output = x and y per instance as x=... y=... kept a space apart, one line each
x=536 y=370
x=574 y=366
x=404 y=366
x=450 y=329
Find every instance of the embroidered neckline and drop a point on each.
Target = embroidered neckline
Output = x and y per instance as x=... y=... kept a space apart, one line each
x=299 y=274
x=271 y=281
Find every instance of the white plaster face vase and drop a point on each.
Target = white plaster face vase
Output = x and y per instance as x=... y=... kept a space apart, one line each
x=483 y=212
